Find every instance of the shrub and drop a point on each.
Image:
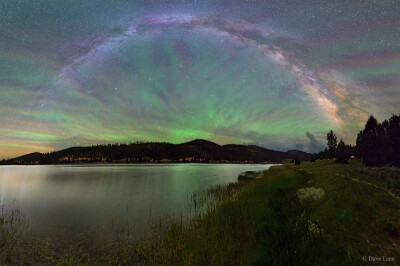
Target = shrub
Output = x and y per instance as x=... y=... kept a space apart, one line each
x=310 y=193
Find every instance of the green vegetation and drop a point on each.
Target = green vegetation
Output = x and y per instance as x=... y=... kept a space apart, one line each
x=319 y=213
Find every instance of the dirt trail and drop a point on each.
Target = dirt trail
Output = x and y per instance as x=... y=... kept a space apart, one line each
x=375 y=186
x=359 y=181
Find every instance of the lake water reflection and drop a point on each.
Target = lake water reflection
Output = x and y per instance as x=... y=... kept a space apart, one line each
x=74 y=197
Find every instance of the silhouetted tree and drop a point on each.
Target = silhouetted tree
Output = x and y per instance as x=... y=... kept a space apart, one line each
x=394 y=136
x=371 y=145
x=359 y=144
x=332 y=143
x=379 y=143
x=342 y=155
x=384 y=150
x=297 y=161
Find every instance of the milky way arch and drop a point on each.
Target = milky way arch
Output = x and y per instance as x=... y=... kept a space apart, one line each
x=178 y=108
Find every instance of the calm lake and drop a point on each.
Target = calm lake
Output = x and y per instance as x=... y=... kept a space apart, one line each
x=71 y=198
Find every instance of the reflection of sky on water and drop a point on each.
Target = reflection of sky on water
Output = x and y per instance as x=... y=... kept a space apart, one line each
x=56 y=197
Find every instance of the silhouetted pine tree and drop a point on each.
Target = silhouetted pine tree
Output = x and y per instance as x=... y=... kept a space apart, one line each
x=394 y=136
x=371 y=143
x=332 y=143
x=384 y=150
x=342 y=155
x=380 y=143
x=359 y=144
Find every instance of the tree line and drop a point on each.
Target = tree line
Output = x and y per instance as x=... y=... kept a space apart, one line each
x=197 y=151
x=377 y=144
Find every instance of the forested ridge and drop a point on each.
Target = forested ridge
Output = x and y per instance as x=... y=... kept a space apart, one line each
x=139 y=152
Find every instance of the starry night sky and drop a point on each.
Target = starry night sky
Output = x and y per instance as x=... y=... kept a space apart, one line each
x=279 y=74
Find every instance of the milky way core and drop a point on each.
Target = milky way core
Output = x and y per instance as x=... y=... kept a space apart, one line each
x=279 y=74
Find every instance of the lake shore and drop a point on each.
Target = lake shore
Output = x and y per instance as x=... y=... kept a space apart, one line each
x=313 y=213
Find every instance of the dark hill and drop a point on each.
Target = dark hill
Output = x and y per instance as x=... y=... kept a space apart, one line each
x=194 y=151
x=300 y=154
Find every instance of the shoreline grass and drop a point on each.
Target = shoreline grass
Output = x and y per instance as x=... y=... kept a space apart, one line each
x=256 y=221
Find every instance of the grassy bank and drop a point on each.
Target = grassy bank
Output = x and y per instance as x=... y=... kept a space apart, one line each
x=345 y=213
